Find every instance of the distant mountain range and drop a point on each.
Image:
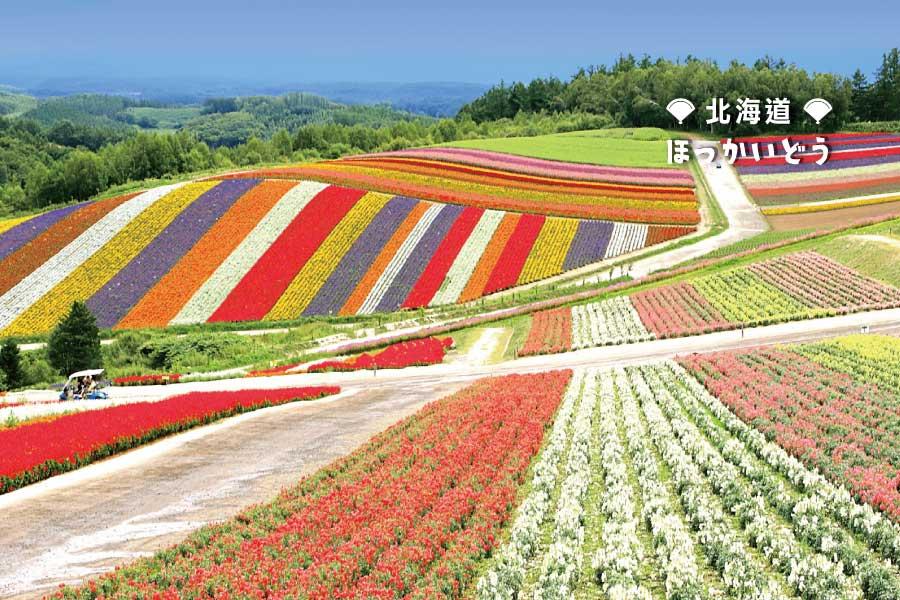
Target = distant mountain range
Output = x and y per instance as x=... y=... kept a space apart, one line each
x=437 y=99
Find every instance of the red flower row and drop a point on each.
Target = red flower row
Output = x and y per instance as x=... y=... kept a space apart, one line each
x=410 y=514
x=154 y=379
x=550 y=332
x=39 y=450
x=428 y=351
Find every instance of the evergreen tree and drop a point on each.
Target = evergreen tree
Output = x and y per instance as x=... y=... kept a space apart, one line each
x=887 y=87
x=860 y=96
x=75 y=343
x=11 y=364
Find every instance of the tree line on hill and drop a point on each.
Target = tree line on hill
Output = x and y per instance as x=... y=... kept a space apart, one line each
x=62 y=156
x=634 y=92
x=42 y=167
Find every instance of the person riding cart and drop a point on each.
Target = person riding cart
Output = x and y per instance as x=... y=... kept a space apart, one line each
x=84 y=385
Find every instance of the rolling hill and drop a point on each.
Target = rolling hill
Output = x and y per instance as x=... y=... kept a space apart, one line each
x=248 y=247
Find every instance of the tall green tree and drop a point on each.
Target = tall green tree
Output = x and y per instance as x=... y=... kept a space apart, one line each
x=861 y=93
x=887 y=87
x=75 y=343
x=11 y=364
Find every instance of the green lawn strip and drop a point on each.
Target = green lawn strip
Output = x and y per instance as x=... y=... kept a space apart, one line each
x=760 y=239
x=464 y=340
x=520 y=326
x=644 y=148
x=878 y=260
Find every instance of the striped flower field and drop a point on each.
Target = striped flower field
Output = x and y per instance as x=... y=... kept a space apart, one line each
x=859 y=165
x=492 y=180
x=247 y=249
x=796 y=286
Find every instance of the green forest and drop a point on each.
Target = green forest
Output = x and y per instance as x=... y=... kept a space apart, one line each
x=72 y=148
x=634 y=92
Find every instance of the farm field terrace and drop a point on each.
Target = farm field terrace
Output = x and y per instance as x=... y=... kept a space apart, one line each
x=788 y=287
x=521 y=182
x=269 y=250
x=635 y=482
x=862 y=169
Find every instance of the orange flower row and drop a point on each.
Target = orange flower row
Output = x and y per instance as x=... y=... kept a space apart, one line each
x=588 y=207
x=39 y=250
x=162 y=303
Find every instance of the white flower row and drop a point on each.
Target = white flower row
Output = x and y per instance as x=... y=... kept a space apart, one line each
x=613 y=321
x=43 y=279
x=562 y=562
x=467 y=259
x=625 y=238
x=618 y=559
x=807 y=514
x=742 y=577
x=215 y=290
x=672 y=543
x=812 y=575
x=381 y=287
x=504 y=580
x=822 y=496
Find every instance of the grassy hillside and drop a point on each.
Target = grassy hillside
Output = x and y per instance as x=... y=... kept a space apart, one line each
x=642 y=147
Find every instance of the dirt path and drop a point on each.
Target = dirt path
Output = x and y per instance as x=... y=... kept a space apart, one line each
x=485 y=348
x=85 y=522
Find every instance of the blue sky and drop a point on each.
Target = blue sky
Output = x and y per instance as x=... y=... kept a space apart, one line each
x=275 y=41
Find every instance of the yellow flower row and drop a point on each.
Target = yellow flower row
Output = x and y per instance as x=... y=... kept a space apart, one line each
x=535 y=196
x=10 y=223
x=325 y=259
x=550 y=248
x=880 y=348
x=95 y=272
x=796 y=209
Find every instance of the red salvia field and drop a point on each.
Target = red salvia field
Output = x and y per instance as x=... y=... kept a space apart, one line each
x=35 y=451
x=406 y=515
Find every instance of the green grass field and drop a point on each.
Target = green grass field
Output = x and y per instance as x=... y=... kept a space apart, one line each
x=876 y=254
x=643 y=147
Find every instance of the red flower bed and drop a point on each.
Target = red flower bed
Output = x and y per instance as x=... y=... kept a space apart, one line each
x=442 y=259
x=409 y=514
x=844 y=428
x=154 y=379
x=551 y=332
x=271 y=275
x=427 y=351
x=677 y=309
x=514 y=255
x=36 y=451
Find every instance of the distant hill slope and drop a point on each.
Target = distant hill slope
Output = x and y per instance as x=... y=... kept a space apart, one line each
x=13 y=104
x=226 y=121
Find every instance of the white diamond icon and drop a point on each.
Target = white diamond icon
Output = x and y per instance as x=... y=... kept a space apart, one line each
x=680 y=108
x=818 y=109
